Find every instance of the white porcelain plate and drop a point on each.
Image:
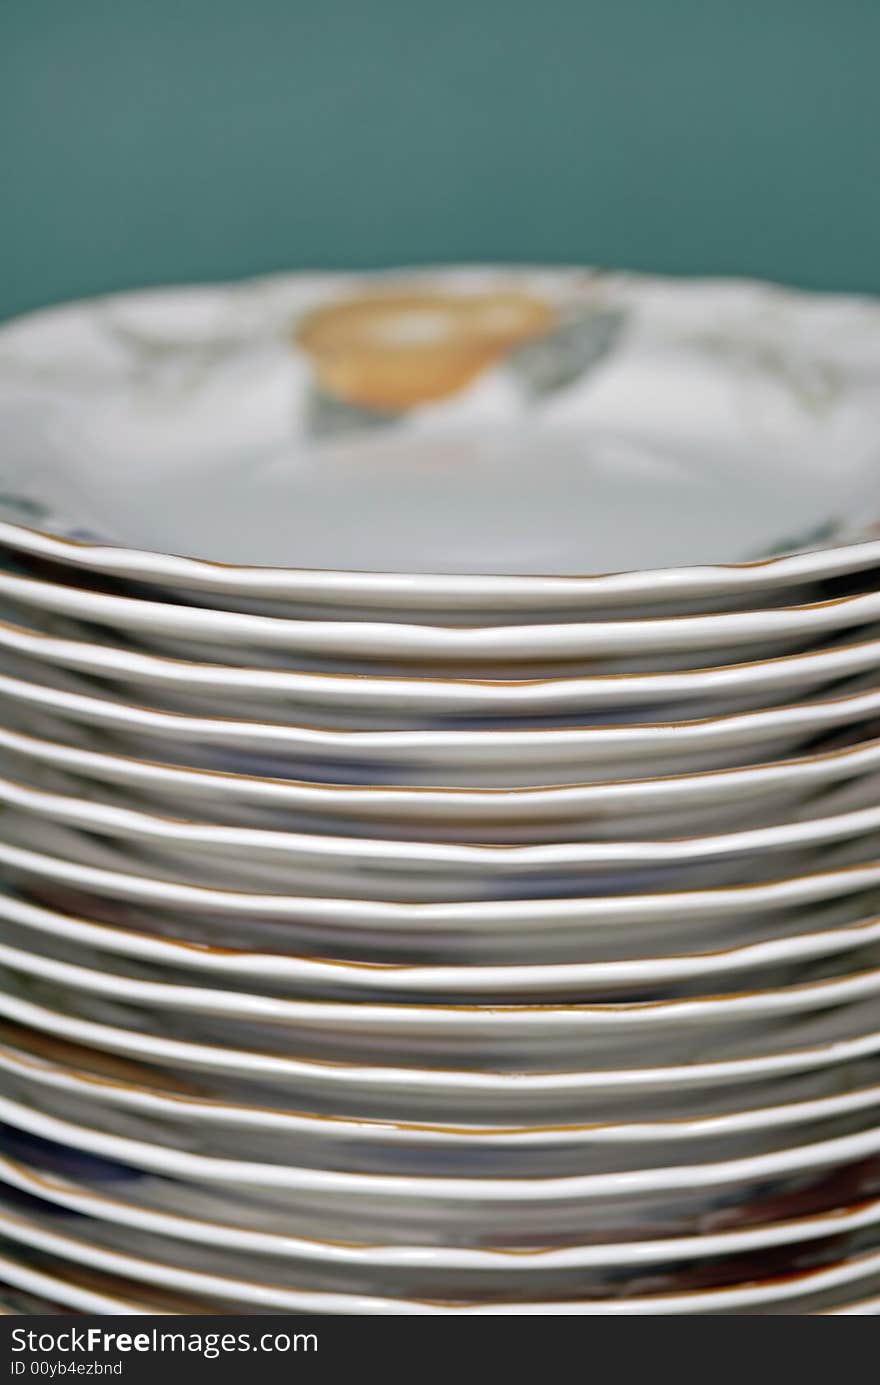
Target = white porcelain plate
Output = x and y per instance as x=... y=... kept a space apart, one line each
x=121 y=1097
x=677 y=1200
x=495 y=1038
x=437 y=435
x=358 y=700
x=617 y=1270
x=784 y=960
x=805 y=1292
x=454 y=758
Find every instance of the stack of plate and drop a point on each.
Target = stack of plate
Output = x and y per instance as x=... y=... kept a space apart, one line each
x=400 y=932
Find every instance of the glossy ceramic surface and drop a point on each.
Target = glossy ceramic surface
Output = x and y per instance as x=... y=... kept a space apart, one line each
x=475 y=907
x=324 y=398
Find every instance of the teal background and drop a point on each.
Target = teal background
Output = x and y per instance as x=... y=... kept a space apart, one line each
x=179 y=139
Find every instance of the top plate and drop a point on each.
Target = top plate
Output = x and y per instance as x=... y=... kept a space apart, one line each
x=440 y=436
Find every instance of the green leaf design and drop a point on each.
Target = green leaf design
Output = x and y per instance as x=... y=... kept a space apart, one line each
x=332 y=418
x=23 y=508
x=814 y=538
x=559 y=360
